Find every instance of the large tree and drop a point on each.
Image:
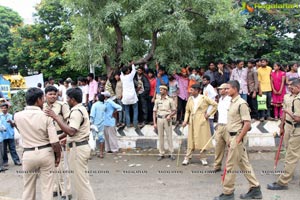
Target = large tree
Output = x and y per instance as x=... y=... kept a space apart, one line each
x=174 y=32
x=39 y=47
x=271 y=33
x=8 y=20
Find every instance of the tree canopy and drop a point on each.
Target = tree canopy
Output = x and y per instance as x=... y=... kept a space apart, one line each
x=8 y=20
x=270 y=33
x=74 y=36
x=109 y=33
x=39 y=47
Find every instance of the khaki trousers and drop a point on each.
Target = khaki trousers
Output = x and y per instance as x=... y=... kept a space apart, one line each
x=222 y=138
x=78 y=160
x=63 y=183
x=163 y=125
x=291 y=158
x=38 y=163
x=237 y=157
x=288 y=129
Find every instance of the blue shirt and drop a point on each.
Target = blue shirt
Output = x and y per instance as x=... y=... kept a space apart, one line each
x=97 y=115
x=165 y=78
x=111 y=106
x=9 y=132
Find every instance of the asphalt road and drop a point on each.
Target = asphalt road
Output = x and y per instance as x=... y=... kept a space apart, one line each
x=138 y=176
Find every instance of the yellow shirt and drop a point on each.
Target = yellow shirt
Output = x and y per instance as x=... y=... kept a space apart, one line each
x=264 y=78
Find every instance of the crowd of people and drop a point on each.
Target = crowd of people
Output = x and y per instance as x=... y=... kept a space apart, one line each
x=255 y=77
x=135 y=96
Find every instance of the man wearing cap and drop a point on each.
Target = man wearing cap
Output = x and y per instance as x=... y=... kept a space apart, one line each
x=164 y=109
x=38 y=136
x=197 y=118
x=110 y=133
x=238 y=124
x=77 y=131
x=221 y=135
x=62 y=110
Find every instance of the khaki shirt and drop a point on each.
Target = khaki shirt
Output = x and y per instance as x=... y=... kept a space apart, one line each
x=35 y=127
x=61 y=109
x=296 y=103
x=164 y=106
x=287 y=105
x=237 y=113
x=79 y=121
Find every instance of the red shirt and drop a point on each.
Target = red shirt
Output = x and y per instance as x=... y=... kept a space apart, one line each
x=152 y=86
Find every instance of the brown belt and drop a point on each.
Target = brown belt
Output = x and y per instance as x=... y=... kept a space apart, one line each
x=162 y=116
x=39 y=147
x=78 y=143
x=232 y=133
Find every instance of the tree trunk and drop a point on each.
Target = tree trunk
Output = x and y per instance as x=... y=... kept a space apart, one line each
x=107 y=63
x=119 y=44
x=151 y=53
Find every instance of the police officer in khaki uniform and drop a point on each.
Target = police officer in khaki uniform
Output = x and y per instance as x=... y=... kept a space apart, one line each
x=63 y=111
x=163 y=110
x=77 y=132
x=238 y=124
x=41 y=146
x=221 y=135
x=286 y=125
x=293 y=150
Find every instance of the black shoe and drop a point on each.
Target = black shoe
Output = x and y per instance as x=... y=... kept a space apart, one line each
x=55 y=194
x=160 y=158
x=276 y=186
x=3 y=169
x=172 y=157
x=253 y=193
x=109 y=152
x=225 y=197
x=18 y=163
x=64 y=197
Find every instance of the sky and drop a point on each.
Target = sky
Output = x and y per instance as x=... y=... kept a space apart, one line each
x=25 y=8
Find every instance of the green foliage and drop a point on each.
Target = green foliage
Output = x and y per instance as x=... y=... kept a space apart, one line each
x=40 y=46
x=18 y=102
x=267 y=34
x=174 y=32
x=8 y=20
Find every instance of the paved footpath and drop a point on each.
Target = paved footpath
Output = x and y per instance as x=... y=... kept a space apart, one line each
x=136 y=175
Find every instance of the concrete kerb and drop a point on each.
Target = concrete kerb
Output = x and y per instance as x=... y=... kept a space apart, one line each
x=260 y=135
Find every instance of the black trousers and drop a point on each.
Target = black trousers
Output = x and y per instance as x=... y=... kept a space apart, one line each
x=180 y=109
x=253 y=106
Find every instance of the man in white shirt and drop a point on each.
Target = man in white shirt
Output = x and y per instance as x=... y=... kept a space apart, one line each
x=221 y=135
x=61 y=91
x=83 y=85
x=129 y=97
x=210 y=92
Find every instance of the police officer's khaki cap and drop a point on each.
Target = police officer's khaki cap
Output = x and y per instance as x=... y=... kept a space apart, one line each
x=223 y=86
x=163 y=87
